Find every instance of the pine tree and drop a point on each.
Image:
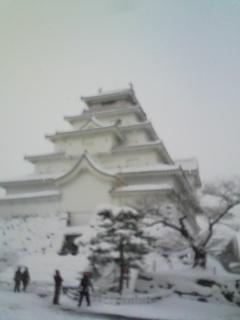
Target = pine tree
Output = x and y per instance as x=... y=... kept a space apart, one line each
x=119 y=240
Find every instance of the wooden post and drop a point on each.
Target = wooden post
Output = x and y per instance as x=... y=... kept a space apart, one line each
x=121 y=265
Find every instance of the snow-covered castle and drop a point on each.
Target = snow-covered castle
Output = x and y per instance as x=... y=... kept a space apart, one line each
x=112 y=155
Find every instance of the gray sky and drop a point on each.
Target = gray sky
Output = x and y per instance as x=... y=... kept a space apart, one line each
x=183 y=58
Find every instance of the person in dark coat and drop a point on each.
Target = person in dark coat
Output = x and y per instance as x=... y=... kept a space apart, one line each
x=85 y=283
x=25 y=278
x=58 y=285
x=17 y=280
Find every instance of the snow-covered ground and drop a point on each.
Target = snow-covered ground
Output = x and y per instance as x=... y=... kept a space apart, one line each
x=29 y=235
x=35 y=242
x=28 y=306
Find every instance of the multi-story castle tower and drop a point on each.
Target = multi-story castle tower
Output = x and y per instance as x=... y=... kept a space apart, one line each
x=111 y=156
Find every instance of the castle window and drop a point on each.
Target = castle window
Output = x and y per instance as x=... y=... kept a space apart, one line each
x=105 y=103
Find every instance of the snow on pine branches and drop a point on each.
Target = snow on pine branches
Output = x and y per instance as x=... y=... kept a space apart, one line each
x=120 y=240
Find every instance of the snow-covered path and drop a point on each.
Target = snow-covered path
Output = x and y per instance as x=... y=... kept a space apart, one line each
x=28 y=306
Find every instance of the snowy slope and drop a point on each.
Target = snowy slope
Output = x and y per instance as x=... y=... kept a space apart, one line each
x=35 y=242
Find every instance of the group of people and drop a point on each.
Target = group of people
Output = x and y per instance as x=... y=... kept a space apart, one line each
x=21 y=279
x=85 y=284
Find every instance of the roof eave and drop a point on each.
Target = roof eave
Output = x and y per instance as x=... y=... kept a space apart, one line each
x=159 y=191
x=111 y=96
x=88 y=114
x=63 y=135
x=53 y=197
x=18 y=183
x=166 y=154
x=36 y=158
x=153 y=172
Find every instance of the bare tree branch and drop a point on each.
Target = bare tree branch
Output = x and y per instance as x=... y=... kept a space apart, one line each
x=227 y=194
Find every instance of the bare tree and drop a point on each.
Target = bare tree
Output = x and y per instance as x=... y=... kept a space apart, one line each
x=226 y=195
x=177 y=221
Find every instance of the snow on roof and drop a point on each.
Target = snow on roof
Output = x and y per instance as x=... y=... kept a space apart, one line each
x=27 y=195
x=190 y=164
x=150 y=168
x=45 y=156
x=72 y=133
x=144 y=187
x=107 y=96
x=33 y=177
x=89 y=113
x=148 y=144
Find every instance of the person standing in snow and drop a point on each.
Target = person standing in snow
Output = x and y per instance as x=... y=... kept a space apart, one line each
x=84 y=289
x=58 y=285
x=25 y=277
x=17 y=280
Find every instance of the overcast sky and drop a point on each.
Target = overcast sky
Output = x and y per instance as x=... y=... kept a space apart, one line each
x=183 y=58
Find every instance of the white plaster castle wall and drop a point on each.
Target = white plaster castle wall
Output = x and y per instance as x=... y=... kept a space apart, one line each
x=29 y=188
x=140 y=200
x=128 y=159
x=83 y=194
x=136 y=137
x=29 y=207
x=54 y=166
x=80 y=198
x=169 y=181
x=102 y=142
x=126 y=119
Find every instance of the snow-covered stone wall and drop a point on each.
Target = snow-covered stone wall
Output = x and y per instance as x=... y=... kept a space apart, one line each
x=29 y=235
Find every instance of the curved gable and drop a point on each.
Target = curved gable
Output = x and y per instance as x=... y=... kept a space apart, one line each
x=92 y=123
x=83 y=188
x=86 y=163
